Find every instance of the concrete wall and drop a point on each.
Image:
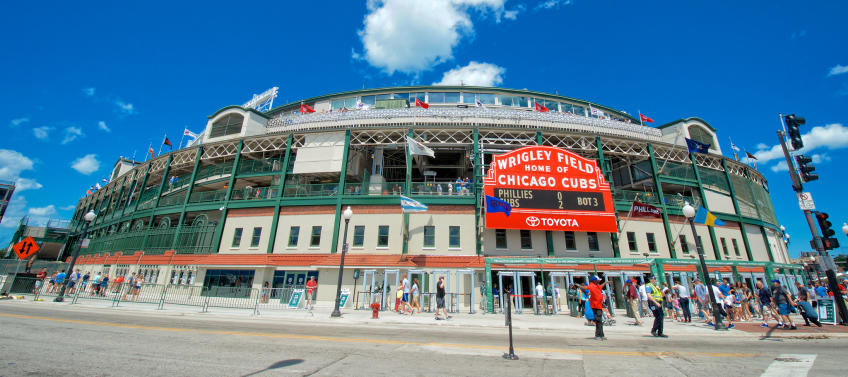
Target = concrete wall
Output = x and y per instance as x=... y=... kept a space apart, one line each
x=246 y=219
x=305 y=217
x=641 y=228
x=758 y=245
x=719 y=202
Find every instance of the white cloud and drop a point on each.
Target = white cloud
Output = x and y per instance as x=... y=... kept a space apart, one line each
x=831 y=136
x=124 y=107
x=552 y=3
x=18 y=121
x=71 y=134
x=12 y=163
x=68 y=207
x=86 y=165
x=414 y=36
x=22 y=184
x=42 y=133
x=762 y=146
x=48 y=211
x=14 y=212
x=89 y=92
x=838 y=70
x=474 y=74
x=817 y=159
x=102 y=125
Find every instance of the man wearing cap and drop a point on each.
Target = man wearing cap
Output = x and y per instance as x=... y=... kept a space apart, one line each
x=782 y=301
x=596 y=302
x=655 y=299
x=633 y=301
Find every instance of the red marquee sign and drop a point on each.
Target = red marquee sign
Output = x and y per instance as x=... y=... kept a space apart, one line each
x=547 y=188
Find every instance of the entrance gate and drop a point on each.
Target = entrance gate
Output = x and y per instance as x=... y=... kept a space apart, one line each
x=460 y=281
x=435 y=274
x=368 y=285
x=423 y=287
x=389 y=291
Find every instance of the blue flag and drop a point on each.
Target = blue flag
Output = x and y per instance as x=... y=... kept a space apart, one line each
x=494 y=204
x=705 y=217
x=411 y=205
x=697 y=146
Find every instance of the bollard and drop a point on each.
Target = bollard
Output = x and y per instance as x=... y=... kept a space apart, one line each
x=511 y=354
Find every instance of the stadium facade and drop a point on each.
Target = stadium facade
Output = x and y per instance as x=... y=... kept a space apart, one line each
x=259 y=196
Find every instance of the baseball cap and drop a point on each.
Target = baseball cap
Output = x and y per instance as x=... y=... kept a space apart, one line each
x=775 y=281
x=595 y=278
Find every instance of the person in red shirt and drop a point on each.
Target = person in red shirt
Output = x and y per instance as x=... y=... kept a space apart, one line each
x=596 y=302
x=310 y=290
x=633 y=300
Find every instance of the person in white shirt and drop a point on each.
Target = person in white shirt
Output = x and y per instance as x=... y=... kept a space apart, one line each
x=683 y=295
x=540 y=297
x=643 y=297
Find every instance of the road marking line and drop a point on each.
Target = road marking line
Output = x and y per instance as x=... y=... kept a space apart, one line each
x=790 y=365
x=377 y=341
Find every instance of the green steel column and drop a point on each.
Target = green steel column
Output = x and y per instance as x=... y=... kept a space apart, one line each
x=109 y=201
x=768 y=245
x=668 y=234
x=549 y=237
x=164 y=179
x=407 y=190
x=282 y=186
x=216 y=242
x=187 y=196
x=704 y=204
x=748 y=250
x=735 y=271
x=132 y=188
x=338 y=217
x=490 y=304
x=478 y=189
x=605 y=169
x=120 y=194
x=141 y=188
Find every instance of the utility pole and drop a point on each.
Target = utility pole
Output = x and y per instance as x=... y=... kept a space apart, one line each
x=792 y=124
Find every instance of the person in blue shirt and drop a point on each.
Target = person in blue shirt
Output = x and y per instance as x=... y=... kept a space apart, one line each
x=60 y=278
x=821 y=291
x=724 y=287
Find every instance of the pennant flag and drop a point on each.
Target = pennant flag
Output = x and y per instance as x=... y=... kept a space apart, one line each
x=304 y=108
x=190 y=134
x=541 y=108
x=705 y=217
x=167 y=142
x=151 y=152
x=417 y=148
x=750 y=155
x=697 y=146
x=645 y=210
x=409 y=205
x=734 y=147
x=644 y=118
x=494 y=204
x=88 y=192
x=420 y=103
x=97 y=186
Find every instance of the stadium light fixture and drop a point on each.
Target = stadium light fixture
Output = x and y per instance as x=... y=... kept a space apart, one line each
x=347 y=215
x=689 y=212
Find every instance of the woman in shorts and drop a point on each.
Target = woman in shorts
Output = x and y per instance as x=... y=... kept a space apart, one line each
x=413 y=297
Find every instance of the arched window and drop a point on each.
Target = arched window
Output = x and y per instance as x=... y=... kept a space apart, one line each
x=699 y=133
x=227 y=125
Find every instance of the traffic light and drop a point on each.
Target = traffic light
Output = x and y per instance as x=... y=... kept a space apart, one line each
x=806 y=168
x=793 y=129
x=828 y=240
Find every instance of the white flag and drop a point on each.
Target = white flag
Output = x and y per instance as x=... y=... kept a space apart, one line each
x=410 y=205
x=416 y=148
x=190 y=134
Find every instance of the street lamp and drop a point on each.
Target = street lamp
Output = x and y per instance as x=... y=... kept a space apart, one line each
x=89 y=217
x=689 y=213
x=845 y=228
x=347 y=214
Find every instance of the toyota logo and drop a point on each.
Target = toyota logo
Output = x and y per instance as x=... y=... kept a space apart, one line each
x=532 y=221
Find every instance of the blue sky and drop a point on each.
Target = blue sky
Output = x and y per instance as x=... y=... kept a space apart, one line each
x=85 y=84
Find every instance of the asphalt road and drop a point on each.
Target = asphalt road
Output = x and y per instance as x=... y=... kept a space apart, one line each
x=45 y=339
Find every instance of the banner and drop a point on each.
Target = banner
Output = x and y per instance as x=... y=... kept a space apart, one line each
x=547 y=188
x=645 y=210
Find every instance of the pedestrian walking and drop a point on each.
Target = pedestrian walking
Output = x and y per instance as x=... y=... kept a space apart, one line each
x=632 y=295
x=643 y=298
x=683 y=297
x=701 y=295
x=440 y=298
x=540 y=297
x=266 y=290
x=596 y=303
x=405 y=298
x=782 y=301
x=413 y=297
x=655 y=300
x=311 y=286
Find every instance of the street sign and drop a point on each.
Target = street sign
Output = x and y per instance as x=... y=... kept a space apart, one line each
x=25 y=248
x=294 y=301
x=805 y=201
x=827 y=311
x=343 y=297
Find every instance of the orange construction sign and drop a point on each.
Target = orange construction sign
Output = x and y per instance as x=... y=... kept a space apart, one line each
x=25 y=248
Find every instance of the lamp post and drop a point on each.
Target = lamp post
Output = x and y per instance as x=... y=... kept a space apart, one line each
x=89 y=217
x=845 y=228
x=689 y=213
x=347 y=214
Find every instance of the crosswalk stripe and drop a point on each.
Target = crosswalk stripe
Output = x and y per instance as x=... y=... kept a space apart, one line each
x=790 y=365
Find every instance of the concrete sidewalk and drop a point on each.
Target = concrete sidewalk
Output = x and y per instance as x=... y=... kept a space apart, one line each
x=524 y=322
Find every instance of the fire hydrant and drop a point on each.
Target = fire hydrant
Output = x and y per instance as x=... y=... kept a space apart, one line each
x=375 y=310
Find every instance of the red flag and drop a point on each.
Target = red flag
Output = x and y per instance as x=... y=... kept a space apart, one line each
x=304 y=108
x=167 y=142
x=645 y=118
x=645 y=210
x=750 y=155
x=420 y=103
x=541 y=108
x=151 y=152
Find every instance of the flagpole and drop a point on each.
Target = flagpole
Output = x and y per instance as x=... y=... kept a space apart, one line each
x=160 y=145
x=640 y=117
x=149 y=148
x=630 y=212
x=182 y=138
x=733 y=147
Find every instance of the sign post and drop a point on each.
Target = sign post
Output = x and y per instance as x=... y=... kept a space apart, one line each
x=548 y=188
x=24 y=249
x=805 y=201
x=294 y=301
x=343 y=298
x=827 y=312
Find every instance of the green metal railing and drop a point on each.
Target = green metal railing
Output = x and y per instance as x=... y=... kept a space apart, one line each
x=196 y=239
x=172 y=200
x=146 y=199
x=159 y=240
x=207 y=196
x=254 y=193
x=214 y=170
x=309 y=190
x=627 y=196
x=269 y=165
